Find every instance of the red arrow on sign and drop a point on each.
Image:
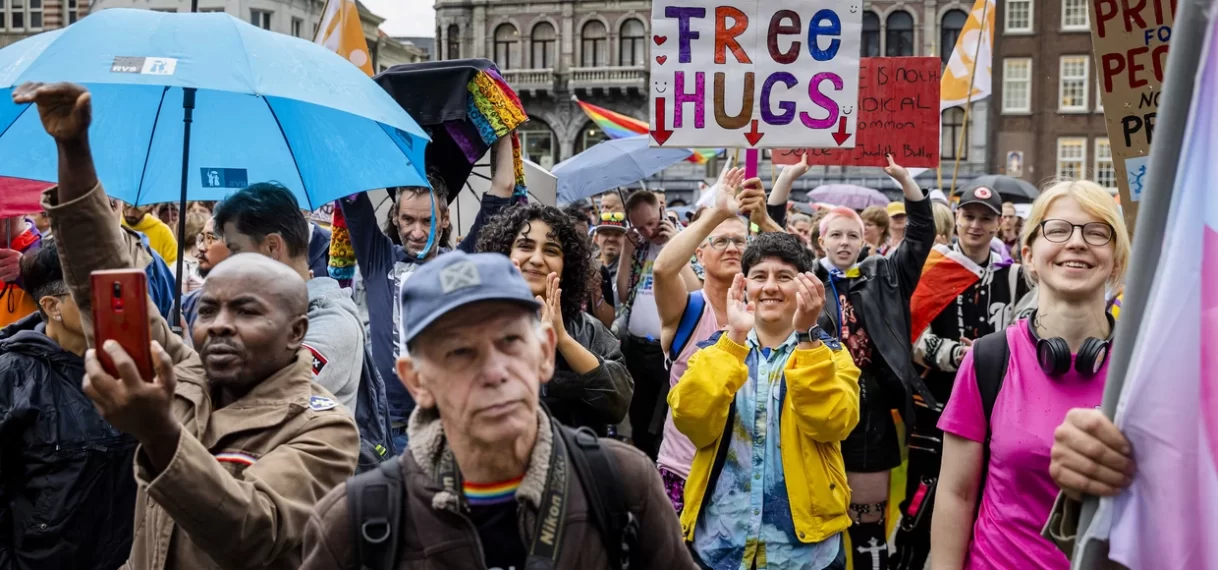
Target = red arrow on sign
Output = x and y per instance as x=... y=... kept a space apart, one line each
x=661 y=134
x=841 y=135
x=753 y=136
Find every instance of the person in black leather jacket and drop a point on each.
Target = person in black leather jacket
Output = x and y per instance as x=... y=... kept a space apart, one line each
x=867 y=307
x=65 y=473
x=591 y=385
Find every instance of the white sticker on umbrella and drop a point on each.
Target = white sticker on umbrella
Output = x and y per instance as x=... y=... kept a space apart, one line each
x=144 y=65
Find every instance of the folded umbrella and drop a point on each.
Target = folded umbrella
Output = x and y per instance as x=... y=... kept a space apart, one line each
x=612 y=163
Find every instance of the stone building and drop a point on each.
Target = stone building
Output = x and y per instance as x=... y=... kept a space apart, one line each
x=553 y=51
x=20 y=19
x=1047 y=114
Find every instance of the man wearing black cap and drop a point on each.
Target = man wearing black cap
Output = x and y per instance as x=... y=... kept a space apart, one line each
x=484 y=455
x=978 y=308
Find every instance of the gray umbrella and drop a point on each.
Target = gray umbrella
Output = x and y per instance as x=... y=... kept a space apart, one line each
x=1011 y=189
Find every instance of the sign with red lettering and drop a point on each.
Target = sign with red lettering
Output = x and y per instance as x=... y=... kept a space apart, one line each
x=1130 y=38
x=898 y=113
x=755 y=73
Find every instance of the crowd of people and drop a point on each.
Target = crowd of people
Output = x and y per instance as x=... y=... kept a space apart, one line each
x=606 y=385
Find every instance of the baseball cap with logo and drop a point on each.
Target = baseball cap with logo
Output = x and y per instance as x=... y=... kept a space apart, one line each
x=611 y=221
x=454 y=280
x=982 y=195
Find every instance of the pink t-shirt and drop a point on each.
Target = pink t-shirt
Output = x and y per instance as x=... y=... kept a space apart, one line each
x=1018 y=490
x=676 y=451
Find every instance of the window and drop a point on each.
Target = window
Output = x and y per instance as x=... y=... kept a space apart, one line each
x=593 y=44
x=213 y=10
x=35 y=14
x=1105 y=173
x=1074 y=15
x=537 y=143
x=18 y=22
x=454 y=42
x=1017 y=85
x=3 y=13
x=1071 y=158
x=298 y=27
x=1073 y=83
x=871 y=35
x=261 y=18
x=589 y=136
x=899 y=38
x=1099 y=94
x=544 y=42
x=953 y=128
x=1019 y=16
x=631 y=53
x=949 y=32
x=506 y=37
x=165 y=10
x=71 y=11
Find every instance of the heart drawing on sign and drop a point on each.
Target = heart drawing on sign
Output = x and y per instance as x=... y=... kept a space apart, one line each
x=660 y=39
x=660 y=59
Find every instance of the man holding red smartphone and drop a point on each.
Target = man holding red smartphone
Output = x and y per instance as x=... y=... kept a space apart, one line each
x=236 y=442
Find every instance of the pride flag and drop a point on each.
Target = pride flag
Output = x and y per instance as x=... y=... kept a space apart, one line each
x=618 y=126
x=945 y=275
x=1168 y=517
x=341 y=32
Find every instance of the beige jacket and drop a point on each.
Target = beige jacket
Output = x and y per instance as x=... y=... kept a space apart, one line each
x=239 y=489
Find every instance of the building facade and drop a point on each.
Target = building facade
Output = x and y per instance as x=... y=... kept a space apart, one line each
x=556 y=51
x=297 y=18
x=20 y=19
x=1047 y=114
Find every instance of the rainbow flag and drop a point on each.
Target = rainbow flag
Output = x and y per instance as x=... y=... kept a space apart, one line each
x=1168 y=516
x=618 y=126
x=945 y=275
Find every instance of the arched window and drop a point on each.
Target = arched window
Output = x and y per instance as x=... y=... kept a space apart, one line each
x=544 y=44
x=953 y=126
x=899 y=38
x=871 y=35
x=633 y=43
x=537 y=143
x=594 y=45
x=454 y=42
x=949 y=31
x=506 y=52
x=589 y=136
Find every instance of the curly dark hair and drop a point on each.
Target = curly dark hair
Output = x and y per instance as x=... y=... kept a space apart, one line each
x=776 y=245
x=500 y=233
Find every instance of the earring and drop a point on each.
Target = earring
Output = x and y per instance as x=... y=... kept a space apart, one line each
x=59 y=317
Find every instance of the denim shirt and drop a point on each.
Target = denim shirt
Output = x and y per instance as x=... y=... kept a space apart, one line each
x=748 y=519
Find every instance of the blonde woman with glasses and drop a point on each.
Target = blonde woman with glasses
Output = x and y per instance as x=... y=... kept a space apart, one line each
x=1016 y=386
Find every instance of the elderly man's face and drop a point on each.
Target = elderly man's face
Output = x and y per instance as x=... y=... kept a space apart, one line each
x=482 y=366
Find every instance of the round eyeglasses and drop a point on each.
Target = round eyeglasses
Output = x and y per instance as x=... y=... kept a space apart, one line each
x=1060 y=231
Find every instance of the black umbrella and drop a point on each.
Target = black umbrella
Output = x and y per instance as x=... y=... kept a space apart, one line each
x=1011 y=189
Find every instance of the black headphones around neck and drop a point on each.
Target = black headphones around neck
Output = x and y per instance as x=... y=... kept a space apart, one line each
x=1053 y=354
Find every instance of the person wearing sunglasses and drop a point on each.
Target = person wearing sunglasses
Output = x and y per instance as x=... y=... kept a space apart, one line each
x=1075 y=246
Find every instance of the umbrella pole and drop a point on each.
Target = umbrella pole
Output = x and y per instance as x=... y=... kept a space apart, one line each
x=188 y=111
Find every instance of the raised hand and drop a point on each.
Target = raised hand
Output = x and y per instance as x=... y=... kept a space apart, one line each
x=752 y=200
x=727 y=200
x=896 y=171
x=793 y=172
x=551 y=306
x=135 y=405
x=809 y=301
x=740 y=312
x=66 y=109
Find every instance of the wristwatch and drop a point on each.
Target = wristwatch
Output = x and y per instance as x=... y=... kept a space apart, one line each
x=811 y=335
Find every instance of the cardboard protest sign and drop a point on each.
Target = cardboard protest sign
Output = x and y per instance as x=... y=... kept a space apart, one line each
x=755 y=73
x=898 y=113
x=1130 y=39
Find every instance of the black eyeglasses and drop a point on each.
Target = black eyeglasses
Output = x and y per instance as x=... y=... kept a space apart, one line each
x=1060 y=231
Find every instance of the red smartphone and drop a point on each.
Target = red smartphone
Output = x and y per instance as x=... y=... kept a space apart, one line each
x=120 y=313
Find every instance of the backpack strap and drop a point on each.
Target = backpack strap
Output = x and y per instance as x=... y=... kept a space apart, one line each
x=603 y=488
x=991 y=356
x=376 y=500
x=689 y=321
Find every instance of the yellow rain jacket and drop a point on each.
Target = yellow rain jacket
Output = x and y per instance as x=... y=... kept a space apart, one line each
x=820 y=410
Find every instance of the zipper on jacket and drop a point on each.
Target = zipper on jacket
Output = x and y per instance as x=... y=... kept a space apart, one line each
x=477 y=540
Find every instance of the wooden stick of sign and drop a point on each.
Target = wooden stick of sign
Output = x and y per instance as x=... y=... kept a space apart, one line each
x=968 y=101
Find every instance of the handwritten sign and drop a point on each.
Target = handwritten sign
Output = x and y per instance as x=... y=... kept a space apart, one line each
x=323 y=215
x=755 y=73
x=898 y=113
x=1131 y=39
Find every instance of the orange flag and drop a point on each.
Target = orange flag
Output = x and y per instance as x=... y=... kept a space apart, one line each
x=341 y=32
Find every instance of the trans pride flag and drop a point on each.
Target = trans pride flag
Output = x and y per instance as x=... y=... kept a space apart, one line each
x=1168 y=518
x=619 y=126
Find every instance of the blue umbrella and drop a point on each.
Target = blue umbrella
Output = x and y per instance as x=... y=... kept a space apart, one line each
x=612 y=163
x=244 y=104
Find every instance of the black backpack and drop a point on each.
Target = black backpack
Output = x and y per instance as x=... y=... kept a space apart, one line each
x=377 y=503
x=991 y=355
x=372 y=417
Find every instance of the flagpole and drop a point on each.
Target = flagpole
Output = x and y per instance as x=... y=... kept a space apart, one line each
x=968 y=98
x=1183 y=62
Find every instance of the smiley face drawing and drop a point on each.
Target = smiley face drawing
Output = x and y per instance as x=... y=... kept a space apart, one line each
x=847 y=110
x=661 y=87
x=854 y=9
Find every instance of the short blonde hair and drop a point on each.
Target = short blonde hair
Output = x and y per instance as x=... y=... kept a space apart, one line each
x=945 y=221
x=1094 y=200
x=840 y=212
